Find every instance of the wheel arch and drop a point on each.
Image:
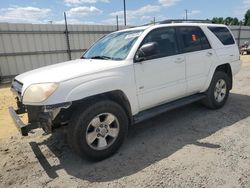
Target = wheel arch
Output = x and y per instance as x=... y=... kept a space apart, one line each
x=227 y=69
x=224 y=68
x=117 y=96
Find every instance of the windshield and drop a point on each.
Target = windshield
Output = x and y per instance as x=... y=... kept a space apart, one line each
x=114 y=46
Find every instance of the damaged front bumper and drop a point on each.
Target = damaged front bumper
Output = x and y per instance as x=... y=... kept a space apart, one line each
x=24 y=129
x=38 y=116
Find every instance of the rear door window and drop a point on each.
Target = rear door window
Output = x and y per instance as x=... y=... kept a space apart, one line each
x=193 y=39
x=223 y=34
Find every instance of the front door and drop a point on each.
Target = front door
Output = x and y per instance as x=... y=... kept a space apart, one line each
x=161 y=78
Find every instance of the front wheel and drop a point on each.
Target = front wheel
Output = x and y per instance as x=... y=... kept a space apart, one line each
x=218 y=91
x=98 y=132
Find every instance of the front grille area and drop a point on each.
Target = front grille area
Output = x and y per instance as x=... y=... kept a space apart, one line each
x=17 y=86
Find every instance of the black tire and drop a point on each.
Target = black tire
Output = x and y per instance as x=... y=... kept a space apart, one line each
x=210 y=101
x=79 y=125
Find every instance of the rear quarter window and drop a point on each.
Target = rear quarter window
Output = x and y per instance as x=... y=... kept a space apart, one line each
x=223 y=34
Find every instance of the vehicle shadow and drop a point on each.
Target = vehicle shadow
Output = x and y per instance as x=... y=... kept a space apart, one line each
x=148 y=142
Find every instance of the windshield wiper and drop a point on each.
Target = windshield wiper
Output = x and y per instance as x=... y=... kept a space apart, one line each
x=100 y=57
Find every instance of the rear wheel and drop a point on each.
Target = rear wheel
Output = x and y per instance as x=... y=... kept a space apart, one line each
x=98 y=131
x=218 y=91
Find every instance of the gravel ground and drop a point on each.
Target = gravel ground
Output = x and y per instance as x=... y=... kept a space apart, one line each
x=188 y=147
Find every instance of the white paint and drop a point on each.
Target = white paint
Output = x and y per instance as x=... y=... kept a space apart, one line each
x=146 y=84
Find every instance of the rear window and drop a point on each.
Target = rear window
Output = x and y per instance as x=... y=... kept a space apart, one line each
x=223 y=34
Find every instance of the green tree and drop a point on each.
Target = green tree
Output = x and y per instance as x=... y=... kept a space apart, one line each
x=215 y=20
x=247 y=18
x=218 y=20
x=235 y=21
x=231 y=21
x=221 y=20
x=228 y=21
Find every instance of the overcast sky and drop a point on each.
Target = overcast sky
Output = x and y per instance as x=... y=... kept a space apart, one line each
x=104 y=11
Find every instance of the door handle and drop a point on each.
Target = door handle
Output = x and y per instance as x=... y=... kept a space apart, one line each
x=209 y=53
x=179 y=60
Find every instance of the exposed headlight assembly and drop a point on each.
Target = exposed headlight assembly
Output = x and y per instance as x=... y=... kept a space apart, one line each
x=39 y=92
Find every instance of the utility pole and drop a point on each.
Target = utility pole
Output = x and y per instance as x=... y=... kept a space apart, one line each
x=67 y=35
x=186 y=11
x=117 y=23
x=239 y=35
x=124 y=7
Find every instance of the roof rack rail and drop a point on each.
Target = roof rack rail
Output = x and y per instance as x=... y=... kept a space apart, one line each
x=184 y=21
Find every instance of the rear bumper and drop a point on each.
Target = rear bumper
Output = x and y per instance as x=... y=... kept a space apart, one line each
x=23 y=128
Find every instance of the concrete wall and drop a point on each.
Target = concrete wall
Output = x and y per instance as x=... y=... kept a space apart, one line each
x=25 y=47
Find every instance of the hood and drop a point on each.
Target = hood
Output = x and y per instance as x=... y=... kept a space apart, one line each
x=66 y=70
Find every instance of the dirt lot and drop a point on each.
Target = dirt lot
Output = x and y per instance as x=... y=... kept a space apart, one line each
x=188 y=147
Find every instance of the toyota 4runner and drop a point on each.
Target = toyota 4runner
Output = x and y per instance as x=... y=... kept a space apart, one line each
x=127 y=77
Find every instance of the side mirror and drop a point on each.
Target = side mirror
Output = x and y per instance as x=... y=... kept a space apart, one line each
x=146 y=51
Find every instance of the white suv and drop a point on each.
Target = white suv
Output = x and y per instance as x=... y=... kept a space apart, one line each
x=127 y=77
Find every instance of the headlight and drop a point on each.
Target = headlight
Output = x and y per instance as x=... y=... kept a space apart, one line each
x=39 y=92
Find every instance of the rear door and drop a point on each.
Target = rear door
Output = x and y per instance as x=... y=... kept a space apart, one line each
x=199 y=56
